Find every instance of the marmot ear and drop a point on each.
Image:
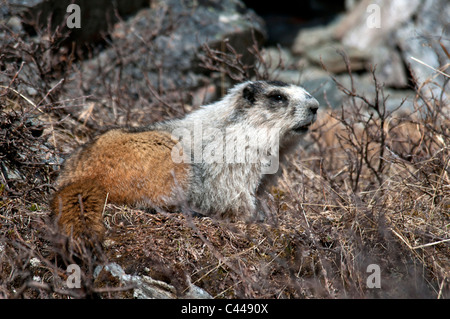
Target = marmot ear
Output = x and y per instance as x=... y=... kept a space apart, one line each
x=249 y=93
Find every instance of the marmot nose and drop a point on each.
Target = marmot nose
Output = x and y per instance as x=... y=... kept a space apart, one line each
x=313 y=105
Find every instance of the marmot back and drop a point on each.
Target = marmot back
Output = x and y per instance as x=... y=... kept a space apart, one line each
x=187 y=161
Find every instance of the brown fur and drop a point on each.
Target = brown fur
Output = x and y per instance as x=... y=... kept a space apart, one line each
x=128 y=168
x=78 y=207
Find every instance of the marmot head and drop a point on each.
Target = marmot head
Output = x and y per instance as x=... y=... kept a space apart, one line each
x=275 y=104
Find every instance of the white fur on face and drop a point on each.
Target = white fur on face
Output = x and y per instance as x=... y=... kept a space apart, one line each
x=304 y=103
x=299 y=111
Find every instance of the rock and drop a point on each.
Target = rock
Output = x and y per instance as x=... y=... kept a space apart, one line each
x=323 y=88
x=275 y=56
x=95 y=15
x=419 y=38
x=289 y=76
x=15 y=24
x=10 y=8
x=390 y=68
x=195 y=292
x=277 y=60
x=396 y=97
x=184 y=28
x=371 y=22
x=333 y=61
x=145 y=287
x=325 y=91
x=308 y=38
x=159 y=47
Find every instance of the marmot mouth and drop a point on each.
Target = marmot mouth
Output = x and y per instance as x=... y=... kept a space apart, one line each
x=301 y=128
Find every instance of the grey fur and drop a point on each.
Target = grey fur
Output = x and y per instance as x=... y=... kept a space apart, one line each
x=250 y=111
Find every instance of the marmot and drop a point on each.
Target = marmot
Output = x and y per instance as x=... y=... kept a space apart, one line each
x=214 y=161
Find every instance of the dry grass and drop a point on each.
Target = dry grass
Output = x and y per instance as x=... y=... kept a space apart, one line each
x=370 y=187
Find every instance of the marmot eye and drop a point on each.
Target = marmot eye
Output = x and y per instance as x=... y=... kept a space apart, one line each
x=277 y=97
